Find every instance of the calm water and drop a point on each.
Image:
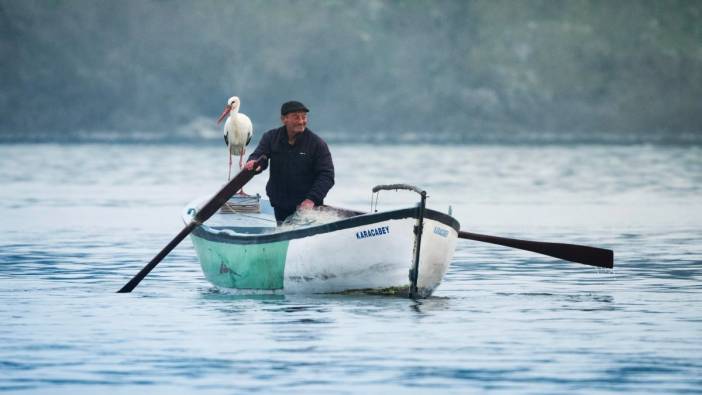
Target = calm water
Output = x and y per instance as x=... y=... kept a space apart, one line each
x=79 y=220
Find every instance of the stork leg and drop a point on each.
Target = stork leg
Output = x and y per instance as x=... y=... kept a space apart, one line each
x=241 y=166
x=229 y=175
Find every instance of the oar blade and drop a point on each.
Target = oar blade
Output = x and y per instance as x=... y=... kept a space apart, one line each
x=592 y=256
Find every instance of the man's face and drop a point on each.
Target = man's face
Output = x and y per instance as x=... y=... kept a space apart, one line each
x=295 y=122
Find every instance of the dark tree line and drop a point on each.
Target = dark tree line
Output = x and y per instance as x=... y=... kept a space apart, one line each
x=628 y=70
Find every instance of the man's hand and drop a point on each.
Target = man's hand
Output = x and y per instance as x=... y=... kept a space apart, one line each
x=250 y=165
x=306 y=204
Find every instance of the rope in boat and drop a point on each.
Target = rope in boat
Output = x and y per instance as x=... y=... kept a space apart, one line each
x=256 y=217
x=377 y=198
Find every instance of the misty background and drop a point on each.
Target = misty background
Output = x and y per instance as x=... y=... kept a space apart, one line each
x=373 y=71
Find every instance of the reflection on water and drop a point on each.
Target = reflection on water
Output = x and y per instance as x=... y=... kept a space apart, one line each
x=503 y=320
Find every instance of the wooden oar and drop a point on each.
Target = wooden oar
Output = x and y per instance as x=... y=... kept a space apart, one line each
x=592 y=256
x=201 y=216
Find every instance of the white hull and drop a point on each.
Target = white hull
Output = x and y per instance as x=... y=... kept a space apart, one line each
x=343 y=262
x=363 y=252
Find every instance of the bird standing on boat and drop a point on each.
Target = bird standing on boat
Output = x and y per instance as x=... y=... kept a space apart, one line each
x=237 y=131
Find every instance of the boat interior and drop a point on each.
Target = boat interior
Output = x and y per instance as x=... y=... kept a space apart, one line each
x=250 y=214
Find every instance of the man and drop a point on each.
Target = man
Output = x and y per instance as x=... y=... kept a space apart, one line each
x=302 y=171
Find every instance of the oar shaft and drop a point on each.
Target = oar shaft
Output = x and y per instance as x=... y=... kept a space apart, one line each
x=158 y=258
x=586 y=255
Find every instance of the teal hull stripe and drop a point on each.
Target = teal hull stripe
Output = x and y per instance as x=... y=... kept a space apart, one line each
x=248 y=266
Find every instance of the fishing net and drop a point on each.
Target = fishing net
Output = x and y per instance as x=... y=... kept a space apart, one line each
x=311 y=217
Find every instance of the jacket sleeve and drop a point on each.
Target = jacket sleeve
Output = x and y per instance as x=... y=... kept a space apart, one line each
x=324 y=174
x=263 y=148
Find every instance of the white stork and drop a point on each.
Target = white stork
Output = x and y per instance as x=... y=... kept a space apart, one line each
x=237 y=131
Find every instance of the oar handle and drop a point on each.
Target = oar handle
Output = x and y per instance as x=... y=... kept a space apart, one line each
x=218 y=200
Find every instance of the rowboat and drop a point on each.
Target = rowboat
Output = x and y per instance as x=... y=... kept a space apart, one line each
x=241 y=247
x=402 y=251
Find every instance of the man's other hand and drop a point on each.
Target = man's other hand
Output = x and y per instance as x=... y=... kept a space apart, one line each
x=306 y=204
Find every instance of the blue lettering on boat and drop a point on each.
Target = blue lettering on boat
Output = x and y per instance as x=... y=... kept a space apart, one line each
x=441 y=231
x=379 y=231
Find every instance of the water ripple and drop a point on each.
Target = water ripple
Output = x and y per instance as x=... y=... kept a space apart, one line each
x=503 y=320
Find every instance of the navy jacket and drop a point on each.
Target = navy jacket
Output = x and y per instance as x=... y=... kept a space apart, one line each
x=301 y=171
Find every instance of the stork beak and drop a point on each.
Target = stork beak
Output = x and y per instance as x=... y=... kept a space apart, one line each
x=226 y=111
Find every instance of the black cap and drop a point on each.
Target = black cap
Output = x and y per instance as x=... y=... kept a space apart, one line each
x=292 y=106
